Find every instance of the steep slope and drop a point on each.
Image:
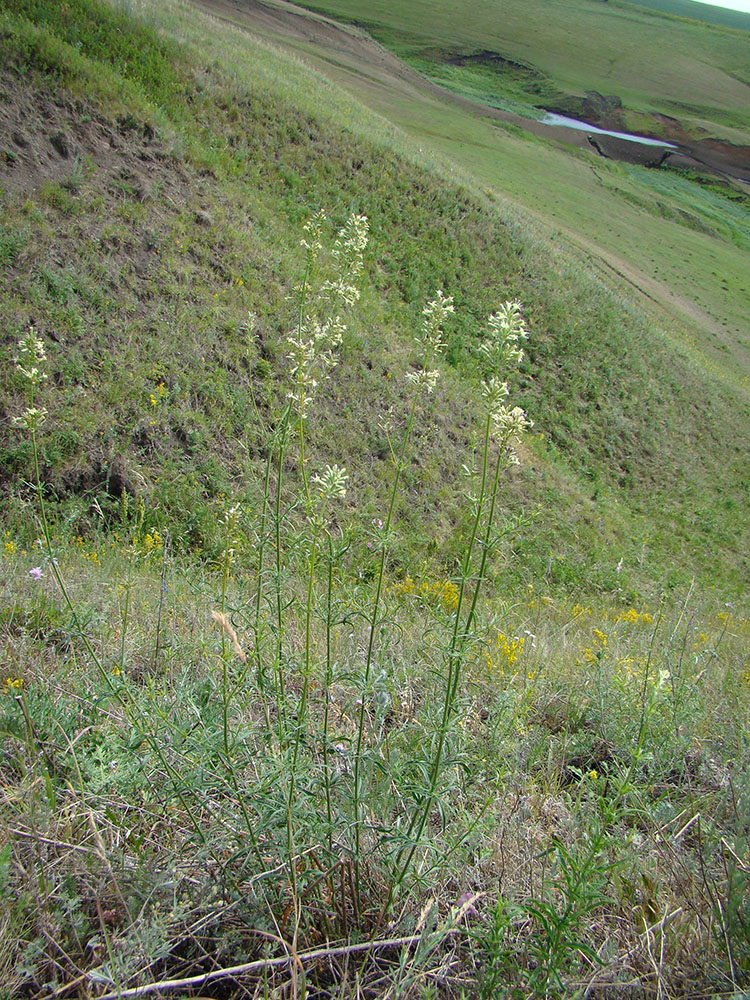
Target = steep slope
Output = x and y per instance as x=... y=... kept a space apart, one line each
x=150 y=203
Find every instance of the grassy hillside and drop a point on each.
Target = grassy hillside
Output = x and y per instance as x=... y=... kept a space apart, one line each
x=174 y=274
x=657 y=229
x=268 y=728
x=150 y=276
x=701 y=12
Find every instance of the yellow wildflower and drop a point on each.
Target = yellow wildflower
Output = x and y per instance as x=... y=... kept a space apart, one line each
x=443 y=593
x=507 y=650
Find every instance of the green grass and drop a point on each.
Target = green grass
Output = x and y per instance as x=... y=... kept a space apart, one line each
x=595 y=785
x=701 y=12
x=106 y=36
x=527 y=793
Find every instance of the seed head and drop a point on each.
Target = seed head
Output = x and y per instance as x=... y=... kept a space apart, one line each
x=226 y=626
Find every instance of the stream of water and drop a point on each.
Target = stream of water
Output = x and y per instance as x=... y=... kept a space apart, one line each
x=552 y=119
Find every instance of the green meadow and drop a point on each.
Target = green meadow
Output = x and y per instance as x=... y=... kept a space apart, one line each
x=703 y=12
x=374 y=485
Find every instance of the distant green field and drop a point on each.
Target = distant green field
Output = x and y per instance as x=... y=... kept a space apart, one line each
x=700 y=12
x=613 y=47
x=683 y=245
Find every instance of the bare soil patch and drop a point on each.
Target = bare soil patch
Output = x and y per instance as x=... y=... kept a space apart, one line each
x=46 y=137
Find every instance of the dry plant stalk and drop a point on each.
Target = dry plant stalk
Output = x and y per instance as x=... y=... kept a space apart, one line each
x=226 y=627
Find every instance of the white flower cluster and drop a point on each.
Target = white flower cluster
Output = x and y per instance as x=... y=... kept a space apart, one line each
x=331 y=485
x=348 y=252
x=500 y=350
x=32 y=356
x=502 y=354
x=435 y=313
x=231 y=517
x=29 y=364
x=495 y=391
x=314 y=342
x=430 y=338
x=31 y=418
x=312 y=241
x=511 y=422
x=312 y=356
x=424 y=379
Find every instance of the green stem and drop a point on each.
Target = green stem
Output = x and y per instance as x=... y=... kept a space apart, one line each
x=305 y=480
x=279 y=604
x=455 y=656
x=260 y=673
x=224 y=664
x=327 y=695
x=307 y=668
x=124 y=618
x=485 y=544
x=371 y=642
x=300 y=321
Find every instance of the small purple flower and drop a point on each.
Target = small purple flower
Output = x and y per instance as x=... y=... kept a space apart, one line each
x=36 y=573
x=467 y=898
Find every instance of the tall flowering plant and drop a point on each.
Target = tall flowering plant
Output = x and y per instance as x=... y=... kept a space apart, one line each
x=500 y=354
